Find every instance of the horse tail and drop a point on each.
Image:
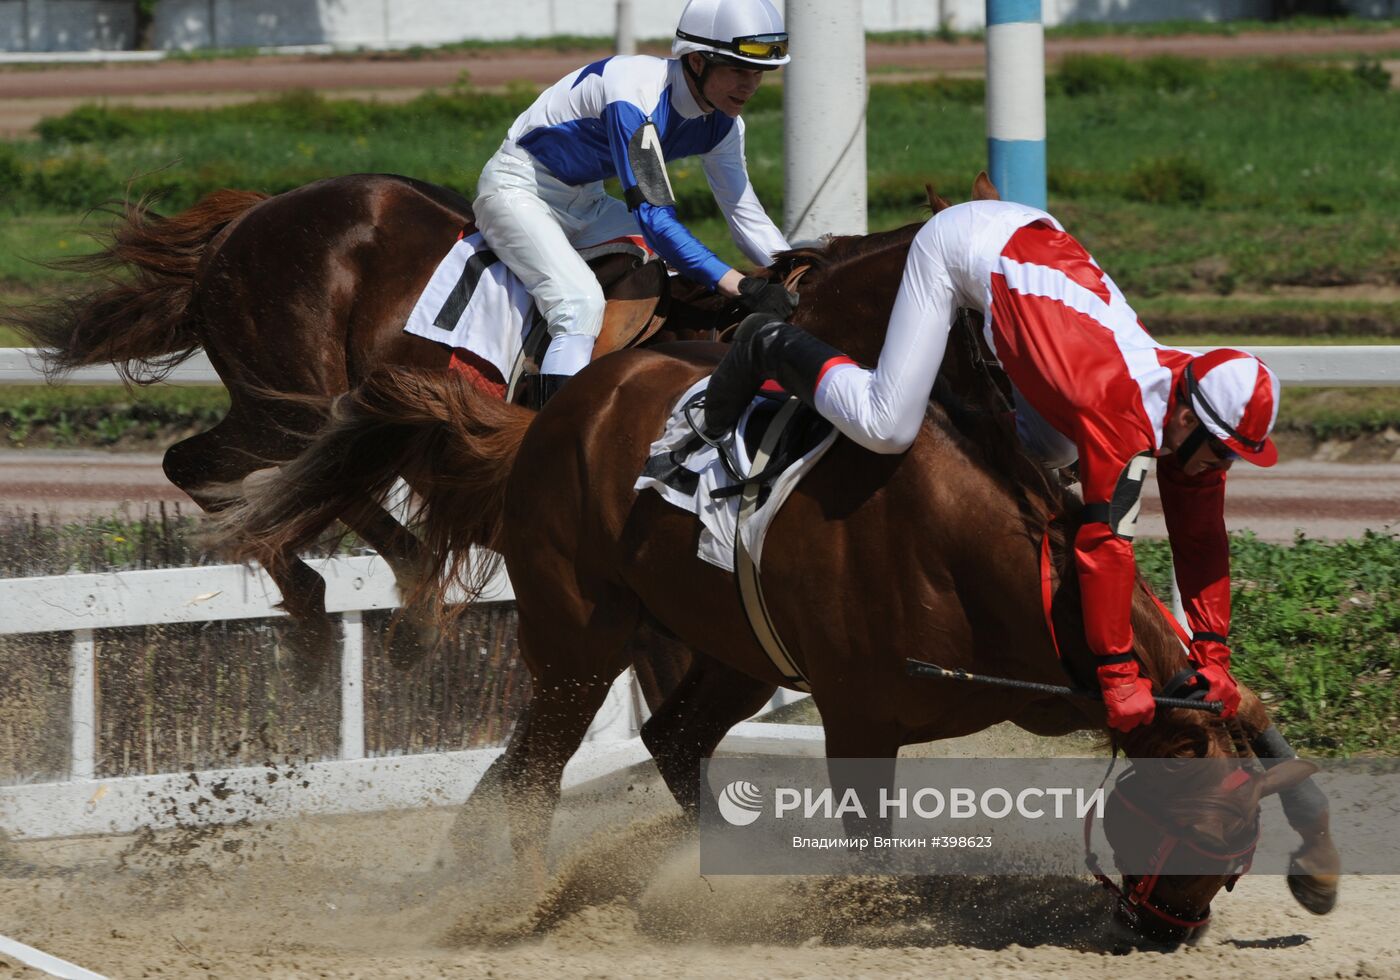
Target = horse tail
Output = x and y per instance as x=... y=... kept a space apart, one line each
x=139 y=316
x=455 y=444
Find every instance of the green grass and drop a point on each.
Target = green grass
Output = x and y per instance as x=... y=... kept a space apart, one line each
x=1231 y=28
x=1311 y=317
x=28 y=240
x=143 y=418
x=1316 y=631
x=1339 y=413
x=1161 y=28
x=1180 y=176
x=1202 y=187
x=1265 y=340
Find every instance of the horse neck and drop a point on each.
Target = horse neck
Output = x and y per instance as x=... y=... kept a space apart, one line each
x=847 y=302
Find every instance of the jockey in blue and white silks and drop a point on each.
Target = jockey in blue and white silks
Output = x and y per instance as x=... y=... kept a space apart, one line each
x=541 y=197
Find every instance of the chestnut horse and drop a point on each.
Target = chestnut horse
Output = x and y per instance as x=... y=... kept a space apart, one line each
x=304 y=293
x=873 y=558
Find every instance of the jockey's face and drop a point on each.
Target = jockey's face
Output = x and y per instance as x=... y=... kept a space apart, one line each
x=1212 y=454
x=727 y=88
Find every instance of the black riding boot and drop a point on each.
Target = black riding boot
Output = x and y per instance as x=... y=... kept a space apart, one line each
x=763 y=348
x=549 y=386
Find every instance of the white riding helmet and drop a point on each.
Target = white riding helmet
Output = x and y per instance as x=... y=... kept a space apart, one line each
x=749 y=32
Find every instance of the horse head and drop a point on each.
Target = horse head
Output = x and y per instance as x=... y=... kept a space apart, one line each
x=1165 y=819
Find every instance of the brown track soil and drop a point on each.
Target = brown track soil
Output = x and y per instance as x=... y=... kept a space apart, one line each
x=380 y=896
x=27 y=94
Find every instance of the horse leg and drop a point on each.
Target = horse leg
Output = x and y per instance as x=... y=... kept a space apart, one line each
x=575 y=648
x=226 y=454
x=398 y=546
x=685 y=729
x=1316 y=866
x=861 y=754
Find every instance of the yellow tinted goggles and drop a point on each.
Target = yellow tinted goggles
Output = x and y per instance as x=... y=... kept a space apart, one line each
x=769 y=47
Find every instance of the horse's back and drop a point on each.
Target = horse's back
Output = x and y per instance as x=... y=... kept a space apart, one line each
x=310 y=290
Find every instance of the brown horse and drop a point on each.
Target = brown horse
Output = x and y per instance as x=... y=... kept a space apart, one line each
x=304 y=293
x=872 y=559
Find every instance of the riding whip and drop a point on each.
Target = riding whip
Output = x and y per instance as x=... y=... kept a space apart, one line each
x=918 y=668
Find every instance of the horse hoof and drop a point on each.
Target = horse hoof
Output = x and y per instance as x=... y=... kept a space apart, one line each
x=1316 y=893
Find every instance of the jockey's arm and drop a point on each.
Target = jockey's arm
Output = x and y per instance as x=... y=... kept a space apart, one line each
x=1194 y=509
x=1103 y=553
x=649 y=197
x=753 y=231
x=882 y=409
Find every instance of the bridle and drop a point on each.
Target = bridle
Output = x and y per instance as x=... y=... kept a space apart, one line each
x=1234 y=863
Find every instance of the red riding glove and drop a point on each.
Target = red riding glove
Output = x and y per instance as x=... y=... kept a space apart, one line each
x=1213 y=665
x=1222 y=688
x=1127 y=696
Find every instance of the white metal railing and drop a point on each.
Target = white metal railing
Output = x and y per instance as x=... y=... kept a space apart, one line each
x=85 y=804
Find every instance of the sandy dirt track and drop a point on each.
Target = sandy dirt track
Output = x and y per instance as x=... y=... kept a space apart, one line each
x=28 y=95
x=1325 y=500
x=374 y=896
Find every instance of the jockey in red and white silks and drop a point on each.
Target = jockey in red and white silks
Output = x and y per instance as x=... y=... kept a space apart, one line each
x=1089 y=383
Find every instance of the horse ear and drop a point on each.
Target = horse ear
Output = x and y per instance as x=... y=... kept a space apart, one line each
x=936 y=201
x=1286 y=775
x=984 y=190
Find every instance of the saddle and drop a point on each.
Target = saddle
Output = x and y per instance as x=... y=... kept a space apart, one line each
x=482 y=313
x=638 y=295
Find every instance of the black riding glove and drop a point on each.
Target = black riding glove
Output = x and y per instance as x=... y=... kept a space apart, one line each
x=759 y=295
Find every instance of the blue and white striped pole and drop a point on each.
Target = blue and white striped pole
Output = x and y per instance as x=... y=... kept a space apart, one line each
x=1016 y=100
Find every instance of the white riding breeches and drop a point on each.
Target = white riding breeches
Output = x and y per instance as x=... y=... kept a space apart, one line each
x=535 y=223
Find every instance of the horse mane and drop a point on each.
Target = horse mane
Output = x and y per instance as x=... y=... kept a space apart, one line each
x=835 y=251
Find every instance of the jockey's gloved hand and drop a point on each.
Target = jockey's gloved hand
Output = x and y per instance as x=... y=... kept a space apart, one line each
x=1126 y=695
x=1222 y=687
x=758 y=295
x=1211 y=657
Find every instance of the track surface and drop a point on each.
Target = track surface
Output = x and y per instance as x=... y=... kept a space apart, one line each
x=1324 y=500
x=380 y=896
x=27 y=94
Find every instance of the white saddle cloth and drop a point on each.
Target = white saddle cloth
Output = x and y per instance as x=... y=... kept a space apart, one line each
x=473 y=301
x=698 y=473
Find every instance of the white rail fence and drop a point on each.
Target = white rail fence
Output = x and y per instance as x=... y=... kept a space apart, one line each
x=84 y=803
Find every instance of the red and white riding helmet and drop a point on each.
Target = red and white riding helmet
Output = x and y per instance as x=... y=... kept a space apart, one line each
x=1236 y=396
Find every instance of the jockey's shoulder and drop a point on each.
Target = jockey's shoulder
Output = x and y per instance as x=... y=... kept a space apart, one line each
x=642 y=73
